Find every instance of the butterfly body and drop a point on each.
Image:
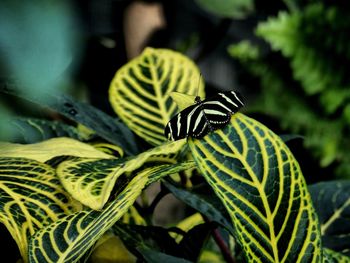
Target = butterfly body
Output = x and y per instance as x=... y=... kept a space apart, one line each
x=204 y=116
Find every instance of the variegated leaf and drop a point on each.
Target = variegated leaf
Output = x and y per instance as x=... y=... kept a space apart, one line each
x=102 y=124
x=91 y=180
x=140 y=90
x=332 y=204
x=108 y=148
x=69 y=238
x=46 y=150
x=31 y=197
x=330 y=256
x=259 y=181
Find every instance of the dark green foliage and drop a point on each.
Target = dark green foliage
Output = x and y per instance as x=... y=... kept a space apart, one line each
x=332 y=203
x=108 y=128
x=208 y=204
x=152 y=240
x=36 y=130
x=304 y=78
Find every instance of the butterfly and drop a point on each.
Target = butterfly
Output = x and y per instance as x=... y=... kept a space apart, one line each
x=204 y=116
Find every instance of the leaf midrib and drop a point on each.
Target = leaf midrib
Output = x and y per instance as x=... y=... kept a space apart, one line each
x=158 y=92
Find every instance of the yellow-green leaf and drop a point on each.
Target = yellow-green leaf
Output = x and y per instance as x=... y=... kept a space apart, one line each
x=31 y=197
x=330 y=256
x=108 y=148
x=140 y=90
x=111 y=249
x=69 y=238
x=48 y=149
x=182 y=100
x=91 y=180
x=332 y=203
x=261 y=185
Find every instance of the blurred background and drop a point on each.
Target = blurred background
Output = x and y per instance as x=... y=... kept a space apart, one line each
x=289 y=59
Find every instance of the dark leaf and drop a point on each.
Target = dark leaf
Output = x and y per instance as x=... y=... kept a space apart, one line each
x=104 y=125
x=209 y=205
x=332 y=203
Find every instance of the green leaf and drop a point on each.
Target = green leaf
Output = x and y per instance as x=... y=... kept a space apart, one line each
x=244 y=51
x=69 y=238
x=228 y=8
x=108 y=148
x=108 y=128
x=314 y=54
x=194 y=240
x=46 y=150
x=31 y=197
x=261 y=185
x=140 y=91
x=153 y=256
x=147 y=237
x=36 y=130
x=91 y=180
x=334 y=257
x=209 y=205
x=332 y=204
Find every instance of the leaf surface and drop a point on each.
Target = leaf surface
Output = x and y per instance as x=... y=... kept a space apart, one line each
x=32 y=130
x=31 y=197
x=91 y=180
x=332 y=204
x=140 y=91
x=261 y=185
x=108 y=128
x=330 y=256
x=46 y=150
x=208 y=205
x=70 y=237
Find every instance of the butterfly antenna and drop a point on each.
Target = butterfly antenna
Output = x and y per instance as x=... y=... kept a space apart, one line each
x=199 y=81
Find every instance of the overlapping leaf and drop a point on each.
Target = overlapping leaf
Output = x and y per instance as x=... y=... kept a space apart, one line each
x=69 y=238
x=43 y=151
x=140 y=91
x=91 y=180
x=260 y=183
x=31 y=197
x=332 y=203
x=36 y=130
x=209 y=206
x=330 y=256
x=105 y=126
x=108 y=148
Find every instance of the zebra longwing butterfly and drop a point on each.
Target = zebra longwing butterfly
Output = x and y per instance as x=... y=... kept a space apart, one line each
x=204 y=116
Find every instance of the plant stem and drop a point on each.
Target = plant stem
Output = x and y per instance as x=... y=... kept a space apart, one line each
x=226 y=253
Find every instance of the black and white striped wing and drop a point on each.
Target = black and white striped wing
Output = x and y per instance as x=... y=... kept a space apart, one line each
x=218 y=110
x=189 y=122
x=205 y=116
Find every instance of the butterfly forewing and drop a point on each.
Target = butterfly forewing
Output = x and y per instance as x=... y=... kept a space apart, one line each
x=204 y=117
x=176 y=128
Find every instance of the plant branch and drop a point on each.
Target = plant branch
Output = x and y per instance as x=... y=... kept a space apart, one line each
x=226 y=253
